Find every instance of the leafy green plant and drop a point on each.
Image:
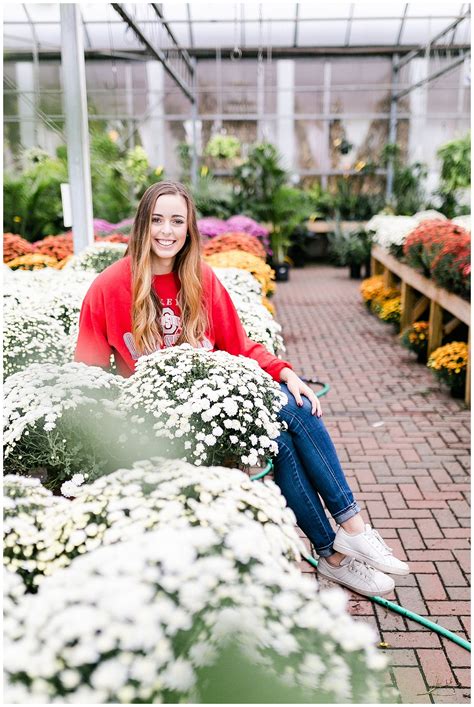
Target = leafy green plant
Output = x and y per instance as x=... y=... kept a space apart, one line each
x=289 y=207
x=32 y=200
x=184 y=153
x=350 y=248
x=256 y=180
x=456 y=167
x=408 y=191
x=455 y=175
x=347 y=202
x=223 y=147
x=212 y=197
x=119 y=177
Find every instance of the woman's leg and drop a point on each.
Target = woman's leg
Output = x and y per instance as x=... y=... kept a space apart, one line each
x=306 y=504
x=301 y=497
x=322 y=469
x=319 y=459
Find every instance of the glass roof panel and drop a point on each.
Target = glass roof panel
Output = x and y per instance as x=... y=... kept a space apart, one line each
x=17 y=36
x=175 y=10
x=328 y=31
x=313 y=10
x=321 y=34
x=46 y=11
x=98 y=11
x=16 y=13
x=377 y=9
x=213 y=10
x=374 y=32
x=181 y=32
x=213 y=34
x=447 y=8
x=111 y=37
x=419 y=31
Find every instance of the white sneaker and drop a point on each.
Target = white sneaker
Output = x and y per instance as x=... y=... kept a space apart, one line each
x=370 y=548
x=357 y=576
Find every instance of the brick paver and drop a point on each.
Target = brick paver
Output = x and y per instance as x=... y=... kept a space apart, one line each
x=404 y=445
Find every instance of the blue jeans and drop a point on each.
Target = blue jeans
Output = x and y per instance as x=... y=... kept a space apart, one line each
x=306 y=468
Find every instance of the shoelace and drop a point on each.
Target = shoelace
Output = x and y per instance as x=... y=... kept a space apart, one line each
x=376 y=535
x=360 y=568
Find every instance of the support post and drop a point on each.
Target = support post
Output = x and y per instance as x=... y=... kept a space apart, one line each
x=467 y=396
x=408 y=299
x=194 y=160
x=436 y=327
x=286 y=112
x=393 y=126
x=77 y=131
x=376 y=267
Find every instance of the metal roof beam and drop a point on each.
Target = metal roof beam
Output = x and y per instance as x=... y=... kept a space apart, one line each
x=165 y=24
x=159 y=54
x=433 y=76
x=247 y=53
x=349 y=26
x=190 y=25
x=248 y=20
x=402 y=23
x=434 y=39
x=295 y=35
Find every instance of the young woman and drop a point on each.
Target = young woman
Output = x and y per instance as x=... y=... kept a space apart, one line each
x=161 y=294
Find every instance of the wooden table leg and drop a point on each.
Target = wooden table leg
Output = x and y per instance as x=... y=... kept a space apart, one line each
x=436 y=327
x=467 y=397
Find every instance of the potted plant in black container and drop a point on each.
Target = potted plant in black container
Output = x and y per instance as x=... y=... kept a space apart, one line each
x=358 y=247
x=289 y=208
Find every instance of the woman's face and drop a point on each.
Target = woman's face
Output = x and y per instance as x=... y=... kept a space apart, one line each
x=169 y=227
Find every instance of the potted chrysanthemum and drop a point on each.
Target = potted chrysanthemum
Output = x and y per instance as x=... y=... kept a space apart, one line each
x=449 y=364
x=415 y=338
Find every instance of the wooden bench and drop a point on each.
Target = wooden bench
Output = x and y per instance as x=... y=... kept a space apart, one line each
x=418 y=293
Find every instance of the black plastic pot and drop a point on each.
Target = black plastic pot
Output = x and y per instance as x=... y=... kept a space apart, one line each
x=282 y=272
x=355 y=271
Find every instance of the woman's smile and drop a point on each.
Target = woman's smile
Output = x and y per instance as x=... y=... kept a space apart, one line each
x=165 y=243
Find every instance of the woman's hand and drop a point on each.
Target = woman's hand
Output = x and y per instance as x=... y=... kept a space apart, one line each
x=296 y=386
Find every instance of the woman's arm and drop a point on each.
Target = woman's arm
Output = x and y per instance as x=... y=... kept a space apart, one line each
x=230 y=336
x=92 y=346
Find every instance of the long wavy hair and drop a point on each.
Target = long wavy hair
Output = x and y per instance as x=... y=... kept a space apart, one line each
x=146 y=307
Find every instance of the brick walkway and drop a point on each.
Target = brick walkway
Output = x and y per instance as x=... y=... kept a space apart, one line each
x=410 y=474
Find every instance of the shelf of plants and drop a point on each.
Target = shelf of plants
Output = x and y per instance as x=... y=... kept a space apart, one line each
x=418 y=293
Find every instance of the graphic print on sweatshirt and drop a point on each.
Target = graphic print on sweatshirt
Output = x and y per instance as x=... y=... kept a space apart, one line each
x=171 y=328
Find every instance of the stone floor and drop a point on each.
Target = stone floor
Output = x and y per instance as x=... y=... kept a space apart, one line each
x=404 y=445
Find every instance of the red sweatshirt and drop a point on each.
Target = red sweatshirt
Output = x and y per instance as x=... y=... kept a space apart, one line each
x=105 y=322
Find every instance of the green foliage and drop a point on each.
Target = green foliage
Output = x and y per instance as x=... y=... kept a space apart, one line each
x=32 y=198
x=213 y=197
x=137 y=171
x=110 y=194
x=349 y=248
x=408 y=191
x=257 y=180
x=347 y=202
x=289 y=207
x=32 y=201
x=455 y=175
x=183 y=150
x=224 y=147
x=456 y=167
x=119 y=178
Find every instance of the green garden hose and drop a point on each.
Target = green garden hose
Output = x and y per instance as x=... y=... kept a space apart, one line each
x=379 y=600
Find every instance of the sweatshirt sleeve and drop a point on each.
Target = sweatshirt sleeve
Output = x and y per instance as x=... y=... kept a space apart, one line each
x=92 y=346
x=230 y=335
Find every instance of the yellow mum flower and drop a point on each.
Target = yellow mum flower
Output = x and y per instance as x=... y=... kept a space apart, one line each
x=32 y=261
x=245 y=261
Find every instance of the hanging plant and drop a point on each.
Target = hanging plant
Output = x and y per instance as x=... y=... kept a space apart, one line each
x=223 y=147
